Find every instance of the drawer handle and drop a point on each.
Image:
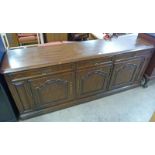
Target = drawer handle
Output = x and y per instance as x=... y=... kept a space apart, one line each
x=102 y=63
x=44 y=73
x=96 y=64
x=99 y=63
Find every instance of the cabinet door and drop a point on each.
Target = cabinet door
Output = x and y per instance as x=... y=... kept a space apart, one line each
x=45 y=91
x=125 y=72
x=91 y=81
x=52 y=90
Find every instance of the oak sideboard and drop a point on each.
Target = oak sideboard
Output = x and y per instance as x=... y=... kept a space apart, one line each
x=49 y=78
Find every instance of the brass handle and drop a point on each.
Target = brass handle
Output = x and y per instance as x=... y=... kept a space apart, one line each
x=44 y=73
x=96 y=64
x=99 y=63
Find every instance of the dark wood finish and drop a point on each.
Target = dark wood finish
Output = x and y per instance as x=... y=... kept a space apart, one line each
x=93 y=80
x=51 y=90
x=36 y=57
x=150 y=71
x=43 y=79
x=126 y=72
x=45 y=87
x=151 y=68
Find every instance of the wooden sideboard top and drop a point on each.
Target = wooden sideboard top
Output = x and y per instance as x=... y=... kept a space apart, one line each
x=35 y=57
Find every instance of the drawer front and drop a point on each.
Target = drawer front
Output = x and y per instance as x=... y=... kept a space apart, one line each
x=144 y=52
x=93 y=62
x=41 y=71
x=125 y=56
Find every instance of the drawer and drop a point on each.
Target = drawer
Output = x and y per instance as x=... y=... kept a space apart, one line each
x=124 y=56
x=144 y=52
x=129 y=55
x=93 y=62
x=41 y=71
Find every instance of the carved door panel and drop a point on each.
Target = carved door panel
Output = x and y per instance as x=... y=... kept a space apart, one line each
x=125 y=73
x=52 y=90
x=91 y=81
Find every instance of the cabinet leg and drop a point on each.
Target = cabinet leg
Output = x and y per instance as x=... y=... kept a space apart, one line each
x=146 y=80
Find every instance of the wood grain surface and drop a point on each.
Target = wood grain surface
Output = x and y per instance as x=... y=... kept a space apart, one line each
x=35 y=57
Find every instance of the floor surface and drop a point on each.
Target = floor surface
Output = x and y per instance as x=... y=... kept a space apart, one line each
x=134 y=105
